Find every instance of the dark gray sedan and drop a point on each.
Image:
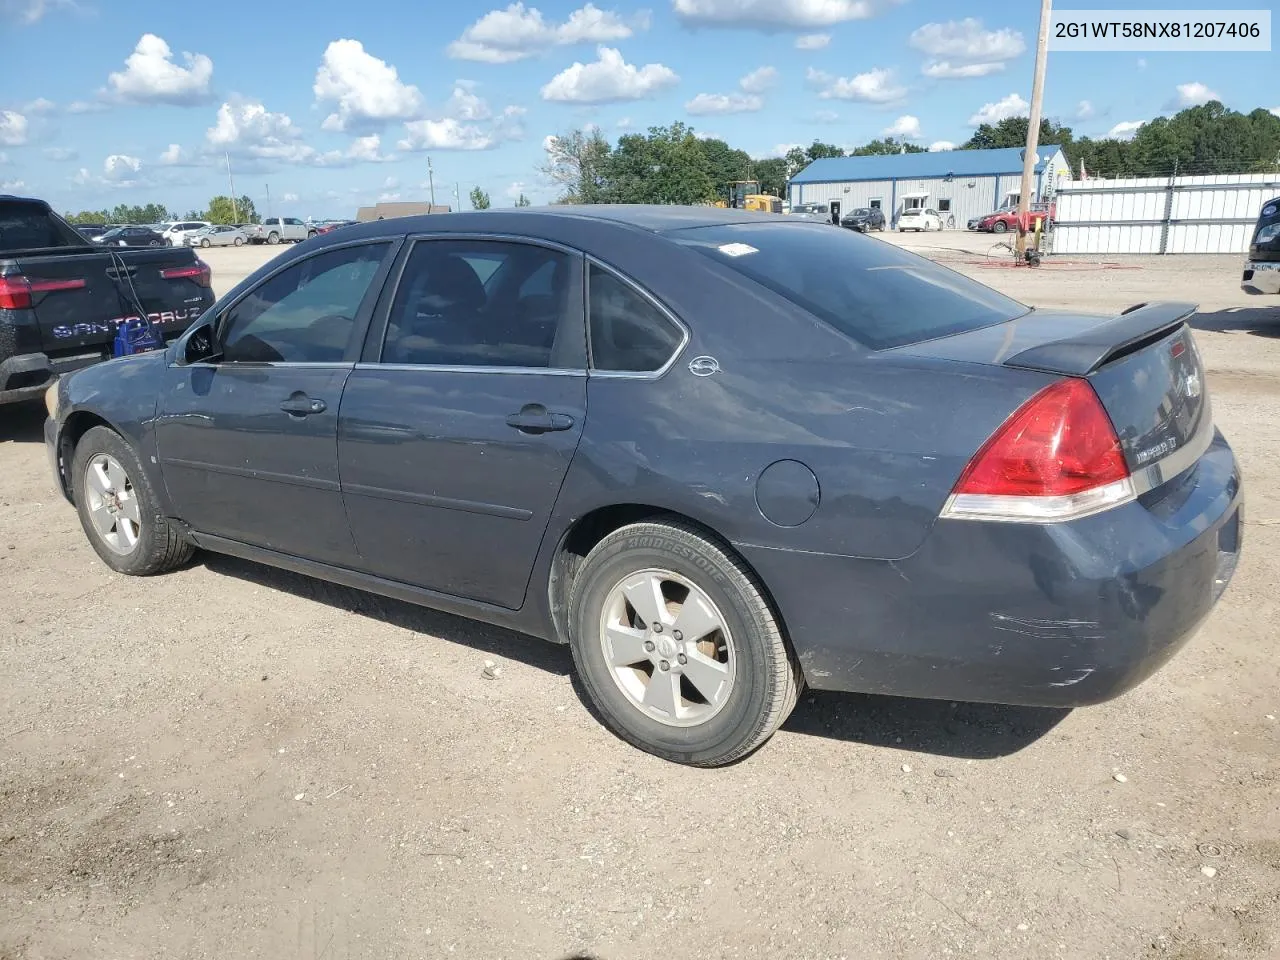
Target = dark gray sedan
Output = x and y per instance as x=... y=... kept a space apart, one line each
x=720 y=454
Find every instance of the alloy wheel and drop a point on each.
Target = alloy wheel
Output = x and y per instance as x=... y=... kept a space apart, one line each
x=113 y=504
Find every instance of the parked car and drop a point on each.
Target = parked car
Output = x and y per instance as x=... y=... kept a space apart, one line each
x=1002 y=221
x=329 y=226
x=864 y=219
x=91 y=231
x=177 y=232
x=62 y=300
x=720 y=454
x=919 y=218
x=133 y=236
x=218 y=235
x=1262 y=269
x=278 y=230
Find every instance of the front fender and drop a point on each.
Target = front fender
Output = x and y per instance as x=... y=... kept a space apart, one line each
x=124 y=395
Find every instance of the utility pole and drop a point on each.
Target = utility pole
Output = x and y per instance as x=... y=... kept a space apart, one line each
x=1033 y=124
x=431 y=180
x=235 y=207
x=268 y=186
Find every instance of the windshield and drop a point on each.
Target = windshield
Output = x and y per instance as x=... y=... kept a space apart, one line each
x=878 y=294
x=860 y=212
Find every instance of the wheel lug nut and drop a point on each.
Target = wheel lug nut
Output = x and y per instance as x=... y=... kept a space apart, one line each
x=677 y=635
x=664 y=665
x=648 y=646
x=682 y=658
x=657 y=628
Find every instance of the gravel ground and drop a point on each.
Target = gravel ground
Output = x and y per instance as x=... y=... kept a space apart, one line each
x=232 y=761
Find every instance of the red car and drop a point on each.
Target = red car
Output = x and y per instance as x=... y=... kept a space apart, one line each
x=323 y=228
x=1005 y=220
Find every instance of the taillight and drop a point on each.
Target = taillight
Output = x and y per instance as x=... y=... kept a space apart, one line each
x=1057 y=458
x=198 y=271
x=16 y=290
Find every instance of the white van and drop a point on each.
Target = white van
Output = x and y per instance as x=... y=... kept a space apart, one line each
x=177 y=231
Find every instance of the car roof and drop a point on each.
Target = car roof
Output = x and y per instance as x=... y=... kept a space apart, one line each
x=536 y=221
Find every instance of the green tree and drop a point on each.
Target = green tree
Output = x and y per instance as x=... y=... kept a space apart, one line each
x=800 y=157
x=522 y=201
x=576 y=163
x=666 y=165
x=1012 y=132
x=147 y=213
x=479 y=199
x=885 y=147
x=223 y=210
x=772 y=174
x=87 y=216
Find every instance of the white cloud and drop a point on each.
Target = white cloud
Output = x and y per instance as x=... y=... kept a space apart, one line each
x=391 y=197
x=778 y=150
x=812 y=41
x=367 y=150
x=946 y=70
x=777 y=14
x=874 y=86
x=826 y=116
x=60 y=153
x=391 y=183
x=151 y=76
x=608 y=79
x=1011 y=106
x=941 y=146
x=1126 y=129
x=27 y=12
x=39 y=105
x=709 y=103
x=122 y=169
x=173 y=155
x=1085 y=110
x=759 y=80
x=12 y=184
x=250 y=125
x=445 y=134
x=1194 y=94
x=13 y=128
x=465 y=104
x=905 y=127
x=967 y=40
x=289 y=198
x=366 y=90
x=518 y=32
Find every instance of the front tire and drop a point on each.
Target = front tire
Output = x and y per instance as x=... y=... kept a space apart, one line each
x=204 y=242
x=999 y=227
x=677 y=647
x=239 y=241
x=119 y=510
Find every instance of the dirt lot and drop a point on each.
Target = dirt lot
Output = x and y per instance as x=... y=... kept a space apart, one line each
x=236 y=762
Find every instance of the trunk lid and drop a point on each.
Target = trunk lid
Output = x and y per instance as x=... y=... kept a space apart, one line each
x=1143 y=364
x=80 y=298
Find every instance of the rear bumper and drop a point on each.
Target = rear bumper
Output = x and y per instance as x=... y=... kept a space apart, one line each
x=28 y=375
x=1058 y=615
x=1261 y=278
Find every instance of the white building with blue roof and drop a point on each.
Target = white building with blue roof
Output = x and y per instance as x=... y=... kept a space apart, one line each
x=960 y=184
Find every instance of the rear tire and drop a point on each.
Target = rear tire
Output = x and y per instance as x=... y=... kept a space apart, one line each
x=999 y=227
x=707 y=699
x=119 y=510
x=273 y=238
x=310 y=234
x=239 y=241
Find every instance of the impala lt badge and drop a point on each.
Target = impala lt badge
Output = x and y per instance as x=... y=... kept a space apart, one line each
x=704 y=366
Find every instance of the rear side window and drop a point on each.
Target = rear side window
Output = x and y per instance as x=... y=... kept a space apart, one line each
x=629 y=334
x=30 y=226
x=876 y=293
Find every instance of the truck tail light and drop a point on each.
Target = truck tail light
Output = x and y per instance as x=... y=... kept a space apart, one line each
x=198 y=271
x=16 y=290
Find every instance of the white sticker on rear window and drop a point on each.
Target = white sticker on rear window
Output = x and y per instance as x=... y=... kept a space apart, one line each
x=736 y=249
x=1268 y=210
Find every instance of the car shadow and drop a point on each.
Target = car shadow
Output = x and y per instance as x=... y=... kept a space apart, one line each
x=1259 y=321
x=22 y=422
x=943 y=728
x=946 y=729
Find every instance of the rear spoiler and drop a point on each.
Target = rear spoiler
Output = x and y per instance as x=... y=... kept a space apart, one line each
x=1082 y=354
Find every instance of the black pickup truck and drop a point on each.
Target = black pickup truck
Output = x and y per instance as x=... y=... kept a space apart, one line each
x=62 y=298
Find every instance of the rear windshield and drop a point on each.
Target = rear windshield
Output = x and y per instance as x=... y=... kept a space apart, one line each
x=30 y=226
x=870 y=290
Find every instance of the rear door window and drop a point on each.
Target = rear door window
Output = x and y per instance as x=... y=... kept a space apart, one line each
x=878 y=294
x=629 y=333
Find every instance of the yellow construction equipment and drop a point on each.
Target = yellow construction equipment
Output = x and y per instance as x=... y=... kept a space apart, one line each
x=746 y=195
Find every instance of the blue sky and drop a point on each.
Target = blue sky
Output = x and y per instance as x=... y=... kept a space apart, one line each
x=328 y=104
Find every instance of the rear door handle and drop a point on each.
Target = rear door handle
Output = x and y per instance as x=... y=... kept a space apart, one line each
x=300 y=405
x=534 y=418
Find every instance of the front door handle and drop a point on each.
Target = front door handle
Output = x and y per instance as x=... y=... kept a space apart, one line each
x=534 y=418
x=300 y=405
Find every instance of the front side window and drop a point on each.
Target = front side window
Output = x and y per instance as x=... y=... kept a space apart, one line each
x=629 y=334
x=487 y=303
x=305 y=313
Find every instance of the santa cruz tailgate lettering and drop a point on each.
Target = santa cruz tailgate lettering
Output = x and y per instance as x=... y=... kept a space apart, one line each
x=70 y=331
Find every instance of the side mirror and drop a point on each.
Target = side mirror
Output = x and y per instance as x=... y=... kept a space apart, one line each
x=199 y=346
